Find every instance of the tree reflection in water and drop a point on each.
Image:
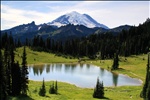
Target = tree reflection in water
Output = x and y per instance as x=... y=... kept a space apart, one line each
x=82 y=75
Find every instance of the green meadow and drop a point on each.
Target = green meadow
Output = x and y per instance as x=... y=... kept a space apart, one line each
x=68 y=91
x=34 y=57
x=133 y=66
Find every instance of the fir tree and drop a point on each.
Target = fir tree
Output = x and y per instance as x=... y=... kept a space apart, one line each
x=56 y=88
x=16 y=79
x=148 y=87
x=0 y=41
x=148 y=92
x=42 y=91
x=7 y=67
x=12 y=61
x=145 y=87
x=3 y=89
x=24 y=74
x=52 y=89
x=98 y=90
x=115 y=62
x=18 y=43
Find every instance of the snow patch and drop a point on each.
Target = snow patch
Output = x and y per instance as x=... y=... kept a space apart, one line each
x=39 y=28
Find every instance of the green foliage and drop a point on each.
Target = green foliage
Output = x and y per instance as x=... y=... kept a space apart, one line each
x=7 y=67
x=145 y=91
x=3 y=92
x=10 y=71
x=16 y=79
x=98 y=90
x=56 y=87
x=53 y=89
x=24 y=74
x=148 y=92
x=133 y=41
x=42 y=91
x=148 y=87
x=15 y=73
x=115 y=62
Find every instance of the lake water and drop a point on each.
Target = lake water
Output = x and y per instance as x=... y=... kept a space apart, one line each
x=82 y=75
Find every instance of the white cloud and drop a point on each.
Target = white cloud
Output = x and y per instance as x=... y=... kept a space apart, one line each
x=115 y=13
x=11 y=17
x=131 y=14
x=110 y=13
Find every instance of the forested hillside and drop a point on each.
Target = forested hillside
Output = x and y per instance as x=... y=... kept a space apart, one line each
x=134 y=41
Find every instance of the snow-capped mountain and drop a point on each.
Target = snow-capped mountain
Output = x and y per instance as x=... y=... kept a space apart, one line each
x=76 y=18
x=73 y=25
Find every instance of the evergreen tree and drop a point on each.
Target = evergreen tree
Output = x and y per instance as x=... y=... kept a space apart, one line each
x=7 y=67
x=52 y=89
x=56 y=88
x=148 y=92
x=19 y=43
x=42 y=91
x=12 y=55
x=16 y=79
x=148 y=87
x=115 y=62
x=146 y=84
x=27 y=42
x=0 y=41
x=3 y=89
x=10 y=63
x=98 y=90
x=24 y=74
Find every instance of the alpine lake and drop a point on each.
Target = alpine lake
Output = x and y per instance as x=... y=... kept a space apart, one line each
x=82 y=75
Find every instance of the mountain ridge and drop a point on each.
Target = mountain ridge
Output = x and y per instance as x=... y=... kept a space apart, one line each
x=63 y=32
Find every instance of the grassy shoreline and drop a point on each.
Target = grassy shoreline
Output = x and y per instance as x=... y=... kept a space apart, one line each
x=68 y=91
x=134 y=66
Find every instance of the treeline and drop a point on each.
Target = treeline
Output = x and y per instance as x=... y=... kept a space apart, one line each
x=13 y=77
x=132 y=42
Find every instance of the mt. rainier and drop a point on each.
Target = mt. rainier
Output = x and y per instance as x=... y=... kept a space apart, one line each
x=76 y=18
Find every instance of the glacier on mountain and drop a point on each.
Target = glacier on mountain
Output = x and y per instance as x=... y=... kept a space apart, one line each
x=76 y=18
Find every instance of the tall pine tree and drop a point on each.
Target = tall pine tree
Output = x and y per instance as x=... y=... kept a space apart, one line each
x=42 y=91
x=146 y=89
x=56 y=87
x=53 y=88
x=24 y=73
x=98 y=90
x=3 y=92
x=7 y=66
x=16 y=79
x=115 y=62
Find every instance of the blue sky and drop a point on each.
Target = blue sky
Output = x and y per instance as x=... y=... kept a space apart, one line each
x=110 y=13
